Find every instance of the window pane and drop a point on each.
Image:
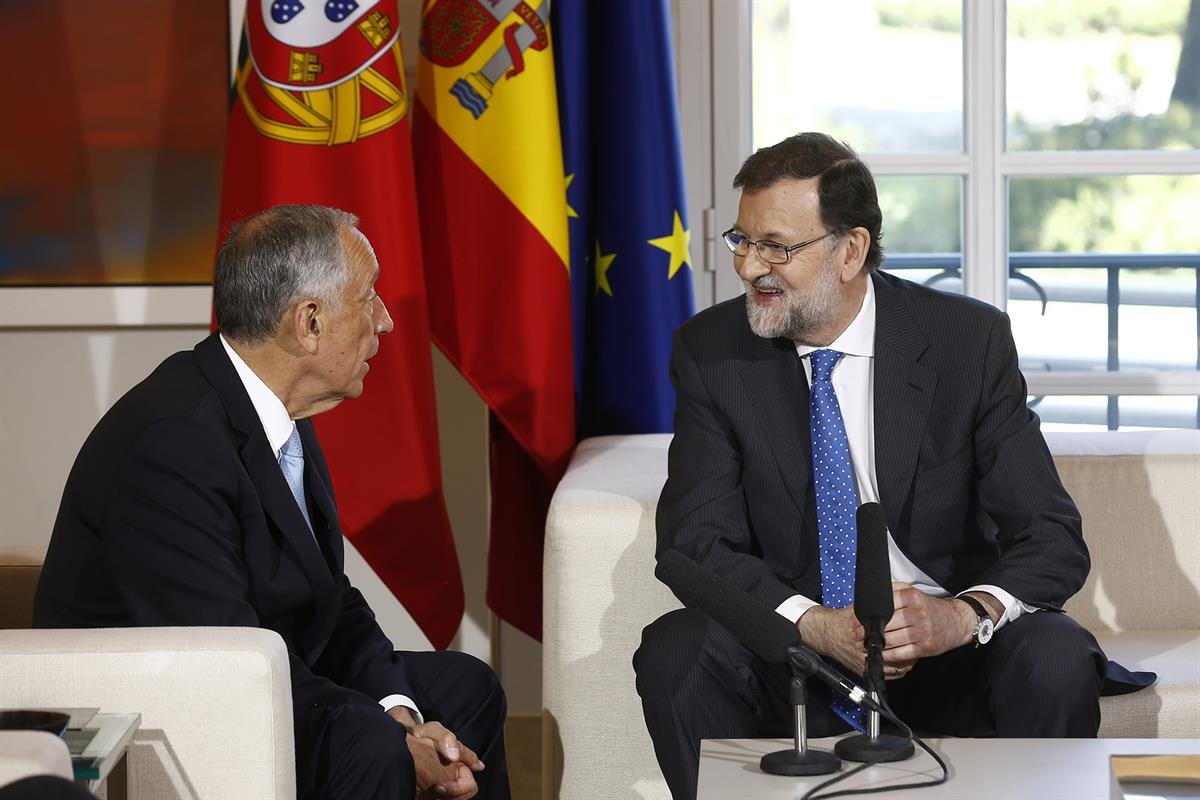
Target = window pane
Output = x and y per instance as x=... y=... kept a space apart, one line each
x=1118 y=81
x=807 y=76
x=922 y=228
x=1090 y=413
x=1075 y=240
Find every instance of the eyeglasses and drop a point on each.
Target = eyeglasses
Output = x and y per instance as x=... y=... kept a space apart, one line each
x=770 y=252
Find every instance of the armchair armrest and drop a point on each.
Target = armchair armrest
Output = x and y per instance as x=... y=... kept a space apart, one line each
x=24 y=754
x=215 y=702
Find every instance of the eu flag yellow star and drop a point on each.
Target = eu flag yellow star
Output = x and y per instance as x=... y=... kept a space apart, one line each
x=571 y=214
x=602 y=262
x=676 y=244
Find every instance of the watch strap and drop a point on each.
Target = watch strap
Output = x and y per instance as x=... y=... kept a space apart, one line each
x=976 y=606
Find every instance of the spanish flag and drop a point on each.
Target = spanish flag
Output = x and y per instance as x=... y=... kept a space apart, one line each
x=494 y=216
x=319 y=115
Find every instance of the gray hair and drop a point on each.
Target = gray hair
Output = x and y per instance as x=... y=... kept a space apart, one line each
x=274 y=258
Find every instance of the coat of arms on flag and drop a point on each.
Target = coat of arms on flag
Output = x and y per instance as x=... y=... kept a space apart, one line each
x=323 y=73
x=455 y=29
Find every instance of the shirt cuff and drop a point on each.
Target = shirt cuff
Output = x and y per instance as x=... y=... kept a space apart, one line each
x=794 y=607
x=1013 y=607
x=393 y=700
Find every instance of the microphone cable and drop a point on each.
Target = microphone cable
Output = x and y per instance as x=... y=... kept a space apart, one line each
x=888 y=714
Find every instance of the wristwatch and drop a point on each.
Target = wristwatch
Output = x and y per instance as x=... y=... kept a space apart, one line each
x=985 y=627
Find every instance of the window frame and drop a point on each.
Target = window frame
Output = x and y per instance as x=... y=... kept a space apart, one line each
x=984 y=166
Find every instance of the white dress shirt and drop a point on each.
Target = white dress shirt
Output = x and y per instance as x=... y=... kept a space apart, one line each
x=278 y=426
x=854 y=383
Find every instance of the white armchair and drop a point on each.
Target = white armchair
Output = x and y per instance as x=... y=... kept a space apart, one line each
x=215 y=702
x=24 y=754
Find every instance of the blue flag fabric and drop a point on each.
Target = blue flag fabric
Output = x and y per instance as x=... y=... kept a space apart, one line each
x=631 y=271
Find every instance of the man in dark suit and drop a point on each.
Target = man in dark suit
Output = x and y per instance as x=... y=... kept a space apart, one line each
x=202 y=498
x=832 y=384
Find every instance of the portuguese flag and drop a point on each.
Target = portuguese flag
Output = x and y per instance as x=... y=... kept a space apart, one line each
x=319 y=115
x=494 y=215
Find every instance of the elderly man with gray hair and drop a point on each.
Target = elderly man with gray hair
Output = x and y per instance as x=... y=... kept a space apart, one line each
x=202 y=498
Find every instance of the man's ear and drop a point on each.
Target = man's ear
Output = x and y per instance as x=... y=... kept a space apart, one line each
x=305 y=322
x=854 y=253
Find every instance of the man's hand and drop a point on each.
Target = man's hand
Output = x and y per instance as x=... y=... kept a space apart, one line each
x=922 y=626
x=834 y=632
x=444 y=765
x=436 y=779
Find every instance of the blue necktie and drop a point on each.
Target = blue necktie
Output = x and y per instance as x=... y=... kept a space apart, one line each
x=291 y=461
x=837 y=499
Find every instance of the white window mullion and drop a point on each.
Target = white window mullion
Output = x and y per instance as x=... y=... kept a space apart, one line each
x=985 y=232
x=731 y=138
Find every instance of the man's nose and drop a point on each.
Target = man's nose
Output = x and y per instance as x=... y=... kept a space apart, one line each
x=383 y=320
x=750 y=266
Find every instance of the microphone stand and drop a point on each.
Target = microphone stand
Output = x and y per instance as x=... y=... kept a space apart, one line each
x=800 y=760
x=873 y=746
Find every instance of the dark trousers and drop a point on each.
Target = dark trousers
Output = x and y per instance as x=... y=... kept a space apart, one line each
x=1040 y=676
x=358 y=752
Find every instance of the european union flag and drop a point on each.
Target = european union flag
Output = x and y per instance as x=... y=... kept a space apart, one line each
x=631 y=278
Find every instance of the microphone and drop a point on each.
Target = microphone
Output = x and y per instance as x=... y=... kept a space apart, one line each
x=765 y=632
x=873 y=604
x=768 y=634
x=809 y=663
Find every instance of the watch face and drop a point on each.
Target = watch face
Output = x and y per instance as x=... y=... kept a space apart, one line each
x=983 y=634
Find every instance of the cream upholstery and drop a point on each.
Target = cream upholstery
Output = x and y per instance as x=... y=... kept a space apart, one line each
x=1141 y=520
x=215 y=702
x=24 y=754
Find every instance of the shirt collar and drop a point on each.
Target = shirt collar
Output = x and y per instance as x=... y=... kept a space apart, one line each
x=859 y=337
x=277 y=423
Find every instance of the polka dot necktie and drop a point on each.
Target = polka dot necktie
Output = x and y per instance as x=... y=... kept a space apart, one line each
x=837 y=499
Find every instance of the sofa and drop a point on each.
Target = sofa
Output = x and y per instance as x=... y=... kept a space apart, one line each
x=215 y=702
x=1138 y=492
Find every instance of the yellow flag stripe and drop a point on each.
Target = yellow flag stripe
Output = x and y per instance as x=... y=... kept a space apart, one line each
x=516 y=140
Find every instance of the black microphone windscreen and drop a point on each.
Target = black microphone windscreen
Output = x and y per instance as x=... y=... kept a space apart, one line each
x=872 y=572
x=758 y=627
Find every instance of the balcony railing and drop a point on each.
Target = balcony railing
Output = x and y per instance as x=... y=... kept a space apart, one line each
x=1022 y=269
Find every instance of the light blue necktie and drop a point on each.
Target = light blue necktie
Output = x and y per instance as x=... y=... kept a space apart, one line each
x=837 y=499
x=291 y=461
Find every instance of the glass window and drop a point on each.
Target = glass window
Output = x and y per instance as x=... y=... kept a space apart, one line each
x=1105 y=272
x=1118 y=81
x=922 y=228
x=1136 y=412
x=808 y=76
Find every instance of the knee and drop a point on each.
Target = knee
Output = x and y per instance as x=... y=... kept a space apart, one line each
x=671 y=644
x=1056 y=659
x=478 y=681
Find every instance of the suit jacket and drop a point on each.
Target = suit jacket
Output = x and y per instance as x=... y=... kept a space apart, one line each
x=966 y=479
x=177 y=513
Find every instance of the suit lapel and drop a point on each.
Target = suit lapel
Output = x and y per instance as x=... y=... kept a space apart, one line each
x=779 y=394
x=273 y=491
x=903 y=396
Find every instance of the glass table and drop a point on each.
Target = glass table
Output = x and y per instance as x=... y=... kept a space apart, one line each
x=97 y=743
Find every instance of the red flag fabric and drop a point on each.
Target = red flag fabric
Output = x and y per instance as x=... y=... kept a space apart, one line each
x=493 y=196
x=319 y=116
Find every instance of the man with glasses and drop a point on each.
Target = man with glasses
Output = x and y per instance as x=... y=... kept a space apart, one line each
x=832 y=384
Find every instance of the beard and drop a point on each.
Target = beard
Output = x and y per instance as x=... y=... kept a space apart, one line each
x=797 y=315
